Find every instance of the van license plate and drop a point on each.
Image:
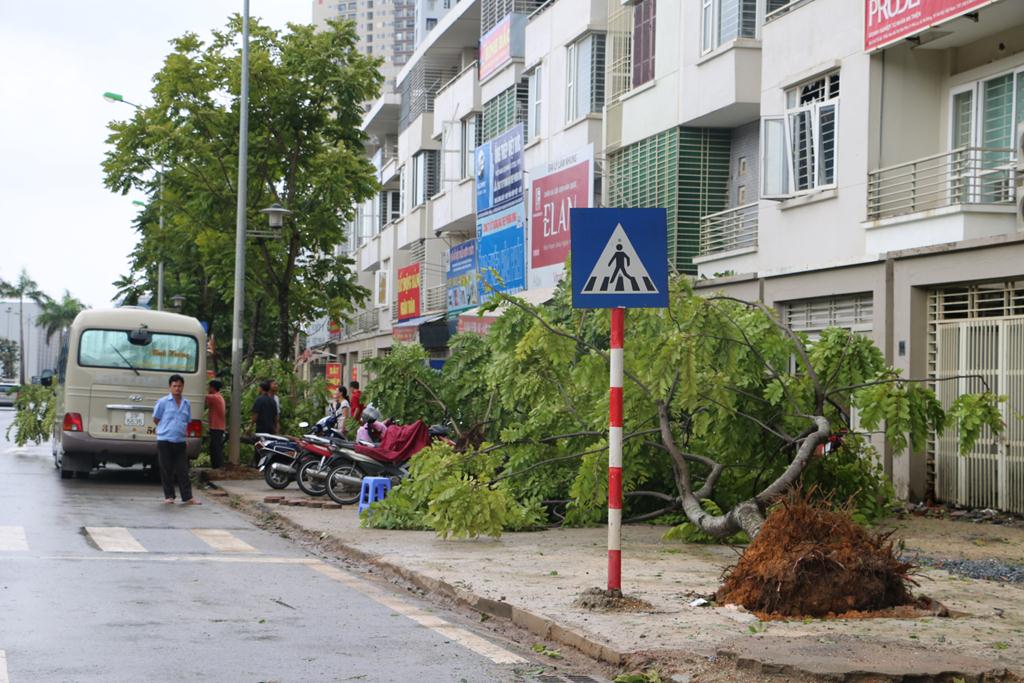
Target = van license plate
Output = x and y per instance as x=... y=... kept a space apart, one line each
x=134 y=420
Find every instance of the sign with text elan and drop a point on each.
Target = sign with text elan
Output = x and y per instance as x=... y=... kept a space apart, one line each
x=556 y=189
x=409 y=292
x=887 y=21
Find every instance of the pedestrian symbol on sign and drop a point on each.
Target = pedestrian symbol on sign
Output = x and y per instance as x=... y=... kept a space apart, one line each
x=619 y=269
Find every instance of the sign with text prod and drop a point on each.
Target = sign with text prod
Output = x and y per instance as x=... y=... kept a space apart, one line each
x=619 y=258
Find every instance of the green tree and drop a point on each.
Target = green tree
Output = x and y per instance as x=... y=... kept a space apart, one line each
x=305 y=152
x=23 y=287
x=57 y=316
x=724 y=408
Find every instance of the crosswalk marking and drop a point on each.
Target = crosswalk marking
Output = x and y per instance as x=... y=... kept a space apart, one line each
x=468 y=640
x=3 y=668
x=618 y=265
x=114 y=539
x=224 y=541
x=13 y=538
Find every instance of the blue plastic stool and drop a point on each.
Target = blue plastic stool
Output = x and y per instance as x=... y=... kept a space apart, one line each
x=373 y=488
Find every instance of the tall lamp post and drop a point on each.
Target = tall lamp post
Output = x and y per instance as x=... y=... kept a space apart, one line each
x=116 y=97
x=235 y=416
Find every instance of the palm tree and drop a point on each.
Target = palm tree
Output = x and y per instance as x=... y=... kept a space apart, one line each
x=56 y=316
x=24 y=286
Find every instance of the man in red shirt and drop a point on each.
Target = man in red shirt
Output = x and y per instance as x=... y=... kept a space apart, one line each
x=215 y=410
x=353 y=399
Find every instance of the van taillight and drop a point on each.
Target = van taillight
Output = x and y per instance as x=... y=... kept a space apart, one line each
x=194 y=429
x=73 y=422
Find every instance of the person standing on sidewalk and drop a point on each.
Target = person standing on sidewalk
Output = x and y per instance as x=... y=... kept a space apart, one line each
x=265 y=416
x=357 y=407
x=171 y=415
x=215 y=412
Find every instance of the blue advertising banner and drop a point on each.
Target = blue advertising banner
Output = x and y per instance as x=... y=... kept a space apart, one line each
x=462 y=276
x=619 y=258
x=501 y=245
x=499 y=171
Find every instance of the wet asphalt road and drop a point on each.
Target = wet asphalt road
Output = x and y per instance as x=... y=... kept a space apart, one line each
x=100 y=581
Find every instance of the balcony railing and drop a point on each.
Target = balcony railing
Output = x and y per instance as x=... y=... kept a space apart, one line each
x=729 y=230
x=968 y=175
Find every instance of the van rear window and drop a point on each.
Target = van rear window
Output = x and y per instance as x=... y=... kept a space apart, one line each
x=113 y=349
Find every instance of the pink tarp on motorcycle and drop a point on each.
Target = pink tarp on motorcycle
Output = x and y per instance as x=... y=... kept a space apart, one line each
x=400 y=443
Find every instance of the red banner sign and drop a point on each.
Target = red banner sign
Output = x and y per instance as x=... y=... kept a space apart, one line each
x=496 y=47
x=409 y=292
x=887 y=21
x=477 y=324
x=551 y=198
x=333 y=376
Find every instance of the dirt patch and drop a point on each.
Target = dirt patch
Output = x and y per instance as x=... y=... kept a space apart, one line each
x=602 y=600
x=810 y=561
x=229 y=473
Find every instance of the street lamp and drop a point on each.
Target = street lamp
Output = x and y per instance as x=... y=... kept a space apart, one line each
x=117 y=97
x=176 y=301
x=235 y=419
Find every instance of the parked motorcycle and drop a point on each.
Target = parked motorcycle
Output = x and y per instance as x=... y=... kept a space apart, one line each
x=346 y=469
x=281 y=457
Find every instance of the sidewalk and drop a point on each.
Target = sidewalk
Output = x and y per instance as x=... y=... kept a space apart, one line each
x=534 y=578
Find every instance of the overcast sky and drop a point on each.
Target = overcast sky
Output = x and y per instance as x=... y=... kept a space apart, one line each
x=58 y=57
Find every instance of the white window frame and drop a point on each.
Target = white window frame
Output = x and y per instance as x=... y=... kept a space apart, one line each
x=710 y=17
x=976 y=138
x=467 y=144
x=814 y=111
x=535 y=99
x=572 y=56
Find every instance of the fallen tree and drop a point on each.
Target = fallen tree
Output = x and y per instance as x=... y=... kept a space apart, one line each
x=723 y=402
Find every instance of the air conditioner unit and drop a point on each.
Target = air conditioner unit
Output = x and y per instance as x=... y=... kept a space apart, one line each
x=1019 y=175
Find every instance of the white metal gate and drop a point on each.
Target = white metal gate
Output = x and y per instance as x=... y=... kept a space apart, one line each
x=992 y=474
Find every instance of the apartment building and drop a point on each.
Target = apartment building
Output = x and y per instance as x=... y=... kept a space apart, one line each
x=386 y=28
x=848 y=162
x=886 y=200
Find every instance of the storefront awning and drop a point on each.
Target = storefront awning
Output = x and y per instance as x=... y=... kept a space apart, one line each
x=471 y=321
x=408 y=330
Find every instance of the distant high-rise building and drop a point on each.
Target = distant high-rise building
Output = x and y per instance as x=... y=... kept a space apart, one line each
x=386 y=28
x=428 y=13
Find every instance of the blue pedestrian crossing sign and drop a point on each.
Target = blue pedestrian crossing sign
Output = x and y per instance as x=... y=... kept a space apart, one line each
x=619 y=258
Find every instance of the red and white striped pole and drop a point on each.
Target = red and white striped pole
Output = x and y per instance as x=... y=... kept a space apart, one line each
x=615 y=452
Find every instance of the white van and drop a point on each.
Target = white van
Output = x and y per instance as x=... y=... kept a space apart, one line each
x=114 y=365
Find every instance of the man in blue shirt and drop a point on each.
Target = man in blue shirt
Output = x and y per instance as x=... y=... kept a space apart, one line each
x=171 y=415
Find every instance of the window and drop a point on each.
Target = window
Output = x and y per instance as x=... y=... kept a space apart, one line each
x=424 y=176
x=163 y=352
x=431 y=23
x=985 y=114
x=643 y=42
x=799 y=149
x=584 y=92
x=469 y=141
x=535 y=99
x=390 y=207
x=725 y=20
